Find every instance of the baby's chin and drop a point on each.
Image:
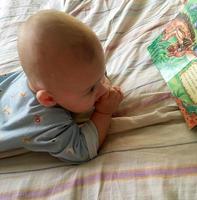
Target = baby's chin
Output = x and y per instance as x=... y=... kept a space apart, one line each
x=78 y=110
x=84 y=111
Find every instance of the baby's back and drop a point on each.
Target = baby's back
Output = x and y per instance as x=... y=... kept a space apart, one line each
x=13 y=104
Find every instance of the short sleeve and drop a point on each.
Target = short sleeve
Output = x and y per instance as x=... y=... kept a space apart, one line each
x=91 y=135
x=69 y=142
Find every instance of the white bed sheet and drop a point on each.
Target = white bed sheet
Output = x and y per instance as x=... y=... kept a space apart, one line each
x=149 y=152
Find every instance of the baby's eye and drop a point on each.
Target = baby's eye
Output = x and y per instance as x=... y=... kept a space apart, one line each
x=92 y=89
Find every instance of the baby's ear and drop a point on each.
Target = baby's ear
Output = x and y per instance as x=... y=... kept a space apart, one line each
x=45 y=98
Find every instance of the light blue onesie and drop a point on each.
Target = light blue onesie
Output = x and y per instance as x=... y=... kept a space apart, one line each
x=24 y=123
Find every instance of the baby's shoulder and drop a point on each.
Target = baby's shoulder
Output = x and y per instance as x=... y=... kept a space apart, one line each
x=16 y=98
x=14 y=92
x=12 y=83
x=7 y=77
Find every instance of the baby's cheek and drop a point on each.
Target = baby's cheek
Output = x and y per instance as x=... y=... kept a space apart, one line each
x=85 y=104
x=90 y=102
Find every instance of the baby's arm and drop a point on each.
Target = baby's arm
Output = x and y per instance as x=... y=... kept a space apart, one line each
x=104 y=109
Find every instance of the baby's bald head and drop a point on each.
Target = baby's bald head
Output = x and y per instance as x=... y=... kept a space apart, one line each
x=52 y=43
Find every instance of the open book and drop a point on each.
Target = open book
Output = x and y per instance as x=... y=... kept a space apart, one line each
x=174 y=53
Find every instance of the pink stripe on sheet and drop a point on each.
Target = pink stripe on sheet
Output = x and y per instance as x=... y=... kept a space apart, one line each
x=101 y=177
x=158 y=98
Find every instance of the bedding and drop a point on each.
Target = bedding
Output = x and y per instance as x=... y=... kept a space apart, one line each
x=149 y=152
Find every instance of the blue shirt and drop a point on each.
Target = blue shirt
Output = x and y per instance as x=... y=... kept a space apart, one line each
x=24 y=123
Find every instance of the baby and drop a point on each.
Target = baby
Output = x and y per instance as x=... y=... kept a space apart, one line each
x=63 y=72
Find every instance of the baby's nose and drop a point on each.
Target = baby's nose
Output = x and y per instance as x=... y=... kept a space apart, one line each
x=102 y=90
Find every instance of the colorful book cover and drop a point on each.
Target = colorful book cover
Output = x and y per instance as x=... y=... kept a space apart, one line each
x=174 y=53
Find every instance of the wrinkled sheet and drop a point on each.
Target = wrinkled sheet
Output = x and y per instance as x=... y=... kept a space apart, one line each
x=149 y=153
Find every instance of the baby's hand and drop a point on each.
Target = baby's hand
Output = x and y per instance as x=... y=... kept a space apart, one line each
x=110 y=101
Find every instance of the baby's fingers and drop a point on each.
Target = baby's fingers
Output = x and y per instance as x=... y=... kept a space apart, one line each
x=118 y=89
